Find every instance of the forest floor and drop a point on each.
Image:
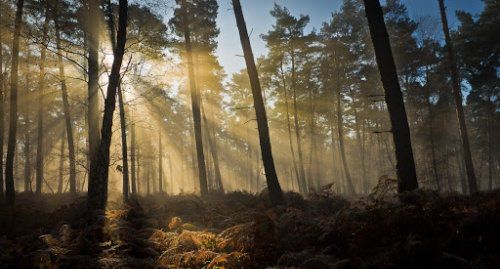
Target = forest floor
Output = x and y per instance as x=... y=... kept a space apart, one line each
x=239 y=230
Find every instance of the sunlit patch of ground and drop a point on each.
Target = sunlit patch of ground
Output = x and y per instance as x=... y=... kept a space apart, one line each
x=239 y=230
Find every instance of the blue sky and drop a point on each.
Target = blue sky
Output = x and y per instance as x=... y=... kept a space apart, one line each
x=259 y=21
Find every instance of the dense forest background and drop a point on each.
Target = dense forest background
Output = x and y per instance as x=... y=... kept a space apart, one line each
x=325 y=104
x=369 y=142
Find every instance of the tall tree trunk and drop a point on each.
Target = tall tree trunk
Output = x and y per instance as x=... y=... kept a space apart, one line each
x=407 y=178
x=27 y=162
x=92 y=35
x=289 y=129
x=61 y=167
x=138 y=165
x=363 y=158
x=297 y=127
x=195 y=103
x=2 y=116
x=273 y=185
x=160 y=163
x=257 y=169
x=41 y=87
x=123 y=126
x=457 y=94
x=215 y=157
x=10 y=193
x=27 y=131
x=336 y=173
x=17 y=171
x=208 y=161
x=313 y=161
x=87 y=163
x=99 y=165
x=361 y=149
x=340 y=130
x=67 y=113
x=431 y=137
x=491 y=146
x=27 y=124
x=194 y=167
x=212 y=143
x=132 y=160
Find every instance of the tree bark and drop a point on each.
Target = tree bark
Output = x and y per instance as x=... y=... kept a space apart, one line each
x=92 y=35
x=431 y=137
x=123 y=124
x=61 y=165
x=340 y=130
x=273 y=185
x=289 y=129
x=2 y=116
x=360 y=140
x=123 y=128
x=67 y=112
x=302 y=175
x=27 y=131
x=27 y=162
x=99 y=164
x=407 y=178
x=313 y=160
x=212 y=143
x=10 y=193
x=491 y=145
x=138 y=165
x=132 y=160
x=335 y=168
x=363 y=157
x=41 y=87
x=195 y=103
x=27 y=124
x=457 y=94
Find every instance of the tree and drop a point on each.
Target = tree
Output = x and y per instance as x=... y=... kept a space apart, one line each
x=478 y=56
x=10 y=193
x=273 y=184
x=457 y=94
x=195 y=103
x=287 y=39
x=407 y=178
x=65 y=100
x=123 y=125
x=92 y=36
x=203 y=33
x=123 y=128
x=346 y=64
x=27 y=123
x=146 y=39
x=99 y=164
x=133 y=153
x=2 y=116
x=40 y=116
x=61 y=165
x=213 y=150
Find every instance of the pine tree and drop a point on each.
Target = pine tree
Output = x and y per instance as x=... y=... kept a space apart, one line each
x=273 y=184
x=10 y=193
x=99 y=164
x=407 y=178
